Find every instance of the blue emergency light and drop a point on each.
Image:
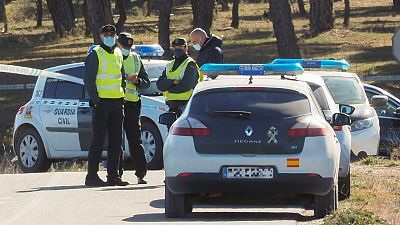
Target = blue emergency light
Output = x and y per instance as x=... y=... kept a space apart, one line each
x=213 y=70
x=142 y=50
x=316 y=64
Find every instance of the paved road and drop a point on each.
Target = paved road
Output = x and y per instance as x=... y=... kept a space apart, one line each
x=60 y=198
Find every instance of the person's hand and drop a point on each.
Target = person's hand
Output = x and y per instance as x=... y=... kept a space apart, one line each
x=133 y=79
x=176 y=82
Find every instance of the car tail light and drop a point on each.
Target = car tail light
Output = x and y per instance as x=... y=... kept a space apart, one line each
x=184 y=174
x=307 y=128
x=190 y=127
x=21 y=109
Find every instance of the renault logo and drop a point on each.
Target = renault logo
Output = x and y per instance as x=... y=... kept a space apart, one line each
x=248 y=131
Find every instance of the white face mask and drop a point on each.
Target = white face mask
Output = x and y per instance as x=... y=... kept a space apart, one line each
x=197 y=47
x=125 y=52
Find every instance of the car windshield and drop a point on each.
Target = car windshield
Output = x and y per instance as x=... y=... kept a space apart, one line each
x=345 y=90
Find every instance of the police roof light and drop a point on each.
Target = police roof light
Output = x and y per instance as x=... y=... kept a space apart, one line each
x=142 y=50
x=213 y=70
x=319 y=64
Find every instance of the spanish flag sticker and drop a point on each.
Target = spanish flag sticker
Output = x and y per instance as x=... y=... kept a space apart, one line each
x=293 y=162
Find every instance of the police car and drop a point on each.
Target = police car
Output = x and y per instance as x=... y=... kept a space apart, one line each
x=346 y=88
x=56 y=124
x=247 y=137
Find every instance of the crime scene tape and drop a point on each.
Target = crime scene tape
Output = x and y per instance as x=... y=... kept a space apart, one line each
x=26 y=71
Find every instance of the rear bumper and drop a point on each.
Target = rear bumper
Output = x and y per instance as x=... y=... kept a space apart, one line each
x=280 y=184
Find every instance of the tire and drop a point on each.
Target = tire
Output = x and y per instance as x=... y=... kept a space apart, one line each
x=324 y=205
x=344 y=188
x=153 y=145
x=176 y=205
x=30 y=150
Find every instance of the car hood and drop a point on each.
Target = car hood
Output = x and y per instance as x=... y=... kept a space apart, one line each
x=362 y=111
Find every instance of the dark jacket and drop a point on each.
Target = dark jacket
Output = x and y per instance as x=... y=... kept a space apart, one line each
x=189 y=80
x=91 y=69
x=211 y=51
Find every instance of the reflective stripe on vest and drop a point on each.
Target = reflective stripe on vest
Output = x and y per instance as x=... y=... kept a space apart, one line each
x=132 y=67
x=178 y=75
x=109 y=77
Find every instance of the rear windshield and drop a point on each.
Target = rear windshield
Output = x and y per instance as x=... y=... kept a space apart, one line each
x=262 y=104
x=345 y=90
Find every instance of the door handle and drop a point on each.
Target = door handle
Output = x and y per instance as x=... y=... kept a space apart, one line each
x=83 y=109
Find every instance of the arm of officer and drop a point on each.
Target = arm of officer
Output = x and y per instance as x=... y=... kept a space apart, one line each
x=91 y=68
x=216 y=56
x=189 y=80
x=123 y=84
x=143 y=81
x=163 y=83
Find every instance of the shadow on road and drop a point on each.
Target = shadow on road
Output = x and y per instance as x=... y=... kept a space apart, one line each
x=132 y=188
x=222 y=216
x=55 y=188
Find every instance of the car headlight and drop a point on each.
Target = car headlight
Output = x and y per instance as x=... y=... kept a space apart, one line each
x=362 y=124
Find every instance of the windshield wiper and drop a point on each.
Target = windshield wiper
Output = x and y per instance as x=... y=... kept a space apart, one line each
x=236 y=114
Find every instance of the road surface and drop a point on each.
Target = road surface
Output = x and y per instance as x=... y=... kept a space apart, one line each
x=61 y=198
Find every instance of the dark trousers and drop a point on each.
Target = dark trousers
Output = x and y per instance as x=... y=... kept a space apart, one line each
x=133 y=134
x=107 y=119
x=175 y=106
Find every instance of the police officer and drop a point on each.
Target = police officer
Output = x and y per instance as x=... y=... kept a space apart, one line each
x=179 y=78
x=104 y=82
x=137 y=78
x=209 y=47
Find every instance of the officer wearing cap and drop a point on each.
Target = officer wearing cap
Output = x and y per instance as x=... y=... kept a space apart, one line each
x=104 y=82
x=179 y=78
x=137 y=79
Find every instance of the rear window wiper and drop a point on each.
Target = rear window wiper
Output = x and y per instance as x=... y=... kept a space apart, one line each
x=236 y=114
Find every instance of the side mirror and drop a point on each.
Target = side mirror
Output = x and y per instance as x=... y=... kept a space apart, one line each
x=340 y=119
x=167 y=118
x=379 y=101
x=346 y=109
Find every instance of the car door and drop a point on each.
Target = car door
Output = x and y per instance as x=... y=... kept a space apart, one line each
x=389 y=123
x=58 y=113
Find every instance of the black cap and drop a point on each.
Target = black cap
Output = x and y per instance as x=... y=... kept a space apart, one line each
x=180 y=41
x=108 y=28
x=125 y=39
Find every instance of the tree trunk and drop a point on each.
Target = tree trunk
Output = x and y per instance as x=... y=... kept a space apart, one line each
x=302 y=9
x=322 y=16
x=39 y=13
x=203 y=14
x=100 y=14
x=281 y=16
x=3 y=15
x=62 y=14
x=88 y=31
x=122 y=15
x=128 y=4
x=224 y=4
x=235 y=14
x=396 y=5
x=346 y=20
x=163 y=25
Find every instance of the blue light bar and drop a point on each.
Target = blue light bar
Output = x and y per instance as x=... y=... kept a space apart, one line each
x=143 y=50
x=319 y=64
x=213 y=70
x=148 y=50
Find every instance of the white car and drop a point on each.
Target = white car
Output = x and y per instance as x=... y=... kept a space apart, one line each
x=346 y=88
x=248 y=137
x=56 y=124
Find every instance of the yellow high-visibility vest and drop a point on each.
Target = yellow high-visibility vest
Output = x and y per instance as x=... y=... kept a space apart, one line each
x=178 y=75
x=132 y=67
x=109 y=77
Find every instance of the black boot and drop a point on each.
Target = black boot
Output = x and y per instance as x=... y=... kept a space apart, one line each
x=116 y=181
x=93 y=180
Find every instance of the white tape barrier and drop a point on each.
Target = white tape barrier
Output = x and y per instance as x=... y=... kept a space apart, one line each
x=26 y=71
x=4 y=87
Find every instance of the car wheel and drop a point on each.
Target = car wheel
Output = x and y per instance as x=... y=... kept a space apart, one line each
x=30 y=150
x=324 y=205
x=344 y=188
x=175 y=205
x=153 y=145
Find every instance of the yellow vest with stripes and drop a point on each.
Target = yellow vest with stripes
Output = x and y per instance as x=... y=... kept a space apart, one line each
x=132 y=67
x=109 y=77
x=178 y=75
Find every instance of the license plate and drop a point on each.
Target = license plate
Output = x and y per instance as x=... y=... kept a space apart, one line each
x=248 y=172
